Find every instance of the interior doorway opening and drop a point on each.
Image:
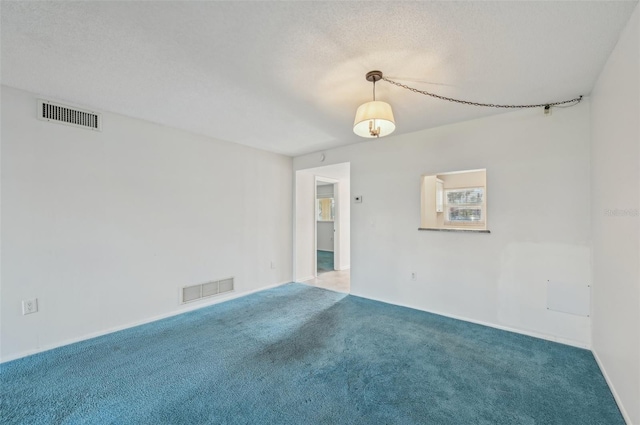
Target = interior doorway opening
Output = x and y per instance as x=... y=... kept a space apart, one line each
x=322 y=228
x=326 y=217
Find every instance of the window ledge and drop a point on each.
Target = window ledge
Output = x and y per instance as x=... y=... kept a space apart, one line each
x=435 y=229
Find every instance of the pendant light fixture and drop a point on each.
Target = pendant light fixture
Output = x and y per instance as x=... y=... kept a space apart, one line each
x=375 y=118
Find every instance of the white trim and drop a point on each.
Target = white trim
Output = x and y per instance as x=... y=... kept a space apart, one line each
x=322 y=179
x=305 y=279
x=553 y=338
x=337 y=228
x=343 y=268
x=455 y=172
x=315 y=226
x=616 y=397
x=92 y=335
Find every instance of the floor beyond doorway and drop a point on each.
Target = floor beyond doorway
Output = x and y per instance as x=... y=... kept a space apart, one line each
x=337 y=280
x=325 y=261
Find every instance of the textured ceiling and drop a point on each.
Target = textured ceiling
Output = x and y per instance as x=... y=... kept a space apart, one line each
x=288 y=76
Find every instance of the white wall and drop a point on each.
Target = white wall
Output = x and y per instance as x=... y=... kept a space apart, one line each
x=538 y=177
x=324 y=233
x=342 y=173
x=104 y=228
x=304 y=249
x=615 y=159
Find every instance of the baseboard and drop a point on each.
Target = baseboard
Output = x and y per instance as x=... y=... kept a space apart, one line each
x=304 y=279
x=616 y=397
x=229 y=297
x=347 y=267
x=553 y=338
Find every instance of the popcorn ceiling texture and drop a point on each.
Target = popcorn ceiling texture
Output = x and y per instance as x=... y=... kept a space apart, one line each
x=288 y=76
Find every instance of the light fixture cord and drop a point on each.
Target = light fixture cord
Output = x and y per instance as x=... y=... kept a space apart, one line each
x=575 y=101
x=374 y=90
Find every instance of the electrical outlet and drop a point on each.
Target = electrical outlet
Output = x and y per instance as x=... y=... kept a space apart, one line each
x=273 y=265
x=30 y=306
x=414 y=275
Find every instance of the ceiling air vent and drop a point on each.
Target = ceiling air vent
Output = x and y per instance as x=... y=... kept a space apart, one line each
x=206 y=290
x=63 y=114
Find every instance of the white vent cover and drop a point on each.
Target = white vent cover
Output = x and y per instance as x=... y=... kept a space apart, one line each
x=205 y=290
x=69 y=115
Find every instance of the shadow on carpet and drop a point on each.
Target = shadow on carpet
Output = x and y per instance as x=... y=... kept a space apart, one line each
x=302 y=355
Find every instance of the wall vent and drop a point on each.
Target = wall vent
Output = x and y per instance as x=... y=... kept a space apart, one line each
x=206 y=290
x=63 y=114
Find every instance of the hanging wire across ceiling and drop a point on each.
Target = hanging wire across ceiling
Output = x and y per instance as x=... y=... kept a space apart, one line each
x=547 y=105
x=375 y=118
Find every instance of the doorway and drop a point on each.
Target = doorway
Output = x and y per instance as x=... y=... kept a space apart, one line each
x=322 y=227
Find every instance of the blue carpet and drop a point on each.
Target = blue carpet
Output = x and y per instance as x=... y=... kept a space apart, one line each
x=302 y=355
x=325 y=261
